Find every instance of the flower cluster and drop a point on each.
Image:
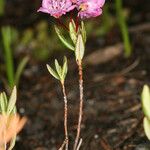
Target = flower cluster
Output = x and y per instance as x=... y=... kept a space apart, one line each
x=86 y=8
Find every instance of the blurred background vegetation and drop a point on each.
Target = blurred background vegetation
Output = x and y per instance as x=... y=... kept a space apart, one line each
x=27 y=34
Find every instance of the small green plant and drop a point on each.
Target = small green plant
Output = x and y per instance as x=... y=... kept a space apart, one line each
x=146 y=110
x=60 y=74
x=10 y=123
x=123 y=27
x=13 y=78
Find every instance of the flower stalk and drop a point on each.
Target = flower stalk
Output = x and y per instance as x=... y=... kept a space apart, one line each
x=65 y=116
x=86 y=9
x=60 y=74
x=80 y=105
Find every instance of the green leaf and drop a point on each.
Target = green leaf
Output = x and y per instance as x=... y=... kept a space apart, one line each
x=65 y=68
x=83 y=32
x=72 y=31
x=7 y=35
x=20 y=69
x=124 y=28
x=58 y=68
x=63 y=40
x=3 y=103
x=146 y=101
x=14 y=111
x=146 y=124
x=80 y=48
x=5 y=98
x=12 y=101
x=8 y=54
x=52 y=72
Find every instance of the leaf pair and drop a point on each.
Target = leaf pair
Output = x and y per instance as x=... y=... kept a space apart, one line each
x=60 y=72
x=78 y=36
x=146 y=110
x=74 y=31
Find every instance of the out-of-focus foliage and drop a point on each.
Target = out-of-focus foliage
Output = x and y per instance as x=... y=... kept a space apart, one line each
x=8 y=36
x=108 y=21
x=123 y=28
x=8 y=54
x=104 y=25
x=2 y=5
x=41 y=41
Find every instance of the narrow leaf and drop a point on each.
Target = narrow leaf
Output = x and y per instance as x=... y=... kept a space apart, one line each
x=2 y=108
x=80 y=48
x=83 y=31
x=65 y=68
x=146 y=101
x=63 y=40
x=8 y=54
x=2 y=103
x=12 y=101
x=146 y=124
x=72 y=31
x=52 y=72
x=5 y=99
x=20 y=69
x=58 y=68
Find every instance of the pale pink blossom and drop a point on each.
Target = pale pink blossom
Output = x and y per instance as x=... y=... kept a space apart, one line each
x=89 y=8
x=56 y=8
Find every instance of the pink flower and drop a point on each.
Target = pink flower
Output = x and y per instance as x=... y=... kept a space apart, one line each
x=89 y=8
x=56 y=8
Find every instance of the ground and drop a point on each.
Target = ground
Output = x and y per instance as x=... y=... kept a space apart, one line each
x=112 y=89
x=112 y=105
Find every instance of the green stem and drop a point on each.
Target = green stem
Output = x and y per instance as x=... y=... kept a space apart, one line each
x=123 y=27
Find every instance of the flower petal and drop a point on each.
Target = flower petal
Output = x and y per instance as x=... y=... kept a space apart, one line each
x=44 y=10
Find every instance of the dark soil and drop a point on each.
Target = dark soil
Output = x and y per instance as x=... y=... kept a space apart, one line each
x=112 y=107
x=112 y=110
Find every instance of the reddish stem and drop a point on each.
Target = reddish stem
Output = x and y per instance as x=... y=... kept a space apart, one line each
x=77 y=23
x=80 y=106
x=62 y=24
x=65 y=115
